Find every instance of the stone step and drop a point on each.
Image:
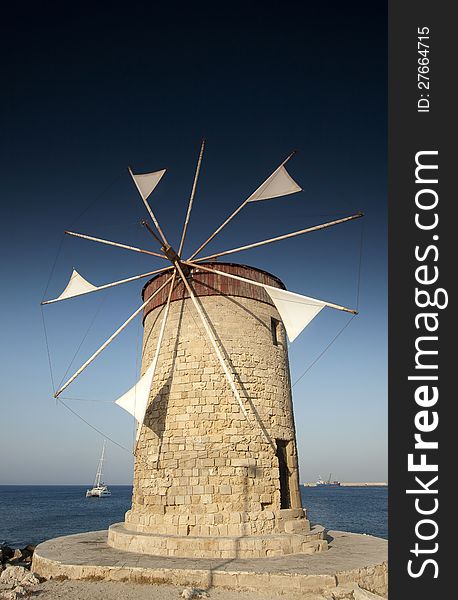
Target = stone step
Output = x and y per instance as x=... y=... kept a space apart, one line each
x=351 y=559
x=279 y=544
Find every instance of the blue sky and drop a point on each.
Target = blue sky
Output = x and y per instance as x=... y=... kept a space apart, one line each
x=84 y=101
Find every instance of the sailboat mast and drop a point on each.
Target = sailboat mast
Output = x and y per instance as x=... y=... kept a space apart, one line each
x=98 y=476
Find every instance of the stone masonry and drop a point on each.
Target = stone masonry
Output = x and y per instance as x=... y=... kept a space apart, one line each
x=204 y=473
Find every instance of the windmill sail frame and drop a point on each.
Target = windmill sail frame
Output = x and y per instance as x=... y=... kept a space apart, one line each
x=296 y=310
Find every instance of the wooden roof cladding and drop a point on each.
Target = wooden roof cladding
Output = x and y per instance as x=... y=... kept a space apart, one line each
x=212 y=284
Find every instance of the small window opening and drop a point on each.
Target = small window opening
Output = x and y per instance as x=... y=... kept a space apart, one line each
x=274 y=324
x=285 y=496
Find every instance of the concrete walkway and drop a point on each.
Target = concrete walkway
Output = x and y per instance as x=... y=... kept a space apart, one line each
x=351 y=558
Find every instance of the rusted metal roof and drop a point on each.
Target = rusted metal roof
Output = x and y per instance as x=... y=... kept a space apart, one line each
x=212 y=284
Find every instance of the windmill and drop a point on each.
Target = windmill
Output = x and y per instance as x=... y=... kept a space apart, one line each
x=216 y=470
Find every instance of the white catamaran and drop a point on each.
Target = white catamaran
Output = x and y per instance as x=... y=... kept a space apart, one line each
x=100 y=490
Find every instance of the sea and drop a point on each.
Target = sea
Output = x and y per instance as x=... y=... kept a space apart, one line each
x=32 y=514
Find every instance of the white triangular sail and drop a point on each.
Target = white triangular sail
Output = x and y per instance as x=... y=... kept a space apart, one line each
x=296 y=311
x=146 y=182
x=85 y=287
x=135 y=401
x=76 y=286
x=280 y=183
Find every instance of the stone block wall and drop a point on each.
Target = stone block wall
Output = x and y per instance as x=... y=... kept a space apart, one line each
x=202 y=468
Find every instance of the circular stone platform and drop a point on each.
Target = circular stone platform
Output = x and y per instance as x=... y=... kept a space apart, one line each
x=249 y=546
x=351 y=558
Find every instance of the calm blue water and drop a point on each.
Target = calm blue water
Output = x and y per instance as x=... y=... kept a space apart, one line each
x=356 y=509
x=32 y=514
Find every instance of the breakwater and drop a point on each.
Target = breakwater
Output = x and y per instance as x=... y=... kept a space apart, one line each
x=351 y=484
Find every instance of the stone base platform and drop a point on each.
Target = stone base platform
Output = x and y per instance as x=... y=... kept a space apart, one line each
x=351 y=558
x=308 y=542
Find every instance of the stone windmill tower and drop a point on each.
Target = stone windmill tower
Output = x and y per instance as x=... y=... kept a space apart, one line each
x=216 y=469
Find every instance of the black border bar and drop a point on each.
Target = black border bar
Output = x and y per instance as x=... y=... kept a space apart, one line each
x=416 y=136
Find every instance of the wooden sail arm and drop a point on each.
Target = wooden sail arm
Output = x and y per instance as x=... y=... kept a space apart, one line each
x=191 y=198
x=169 y=252
x=148 y=208
x=257 y=283
x=236 y=211
x=109 y=285
x=158 y=349
x=110 y=339
x=281 y=237
x=117 y=244
x=213 y=342
x=229 y=376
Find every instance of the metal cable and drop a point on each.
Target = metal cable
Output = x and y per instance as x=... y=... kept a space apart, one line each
x=358 y=286
x=97 y=198
x=84 y=338
x=47 y=350
x=94 y=428
x=325 y=350
x=360 y=264
x=59 y=249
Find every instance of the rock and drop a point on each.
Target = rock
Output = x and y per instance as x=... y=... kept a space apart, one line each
x=30 y=579
x=18 y=576
x=12 y=574
x=190 y=593
x=17 y=592
x=341 y=592
x=350 y=591
x=22 y=556
x=27 y=552
x=6 y=553
x=360 y=594
x=18 y=557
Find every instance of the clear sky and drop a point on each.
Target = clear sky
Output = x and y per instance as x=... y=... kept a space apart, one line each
x=87 y=93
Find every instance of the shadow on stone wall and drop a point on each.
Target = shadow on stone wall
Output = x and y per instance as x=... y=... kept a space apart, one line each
x=239 y=382
x=156 y=412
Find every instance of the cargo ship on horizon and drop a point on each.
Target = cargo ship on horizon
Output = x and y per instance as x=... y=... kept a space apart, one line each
x=329 y=483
